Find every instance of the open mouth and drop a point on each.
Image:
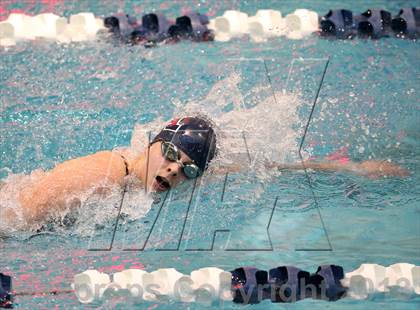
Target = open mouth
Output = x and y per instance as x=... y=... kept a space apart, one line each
x=162 y=184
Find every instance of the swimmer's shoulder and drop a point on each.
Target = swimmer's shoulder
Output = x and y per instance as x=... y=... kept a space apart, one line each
x=127 y=152
x=106 y=163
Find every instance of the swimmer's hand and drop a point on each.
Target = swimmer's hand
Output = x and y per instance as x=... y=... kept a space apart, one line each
x=378 y=169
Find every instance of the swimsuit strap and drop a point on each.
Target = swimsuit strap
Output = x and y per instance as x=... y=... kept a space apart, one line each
x=126 y=164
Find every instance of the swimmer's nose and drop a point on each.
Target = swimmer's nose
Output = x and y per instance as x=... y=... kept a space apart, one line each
x=172 y=170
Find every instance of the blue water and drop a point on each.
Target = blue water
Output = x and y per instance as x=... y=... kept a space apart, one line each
x=60 y=102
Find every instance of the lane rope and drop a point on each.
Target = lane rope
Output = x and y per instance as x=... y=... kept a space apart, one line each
x=245 y=285
x=154 y=28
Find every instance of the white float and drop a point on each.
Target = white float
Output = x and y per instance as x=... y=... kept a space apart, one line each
x=301 y=23
x=163 y=284
x=131 y=281
x=373 y=278
x=415 y=272
x=60 y=26
x=233 y=24
x=83 y=26
x=203 y=286
x=90 y=285
x=51 y=25
x=211 y=284
x=400 y=275
x=32 y=27
x=266 y=24
x=367 y=279
x=7 y=33
x=218 y=35
x=87 y=23
x=16 y=20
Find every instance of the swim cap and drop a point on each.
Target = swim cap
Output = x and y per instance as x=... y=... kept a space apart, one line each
x=192 y=135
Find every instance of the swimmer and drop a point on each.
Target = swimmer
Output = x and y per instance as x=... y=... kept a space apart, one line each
x=181 y=151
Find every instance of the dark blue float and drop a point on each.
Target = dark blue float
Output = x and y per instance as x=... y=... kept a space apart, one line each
x=6 y=300
x=286 y=284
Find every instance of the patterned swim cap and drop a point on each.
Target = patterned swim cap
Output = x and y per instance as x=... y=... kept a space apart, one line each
x=192 y=135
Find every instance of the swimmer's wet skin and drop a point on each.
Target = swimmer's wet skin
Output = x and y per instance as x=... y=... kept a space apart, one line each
x=370 y=168
x=180 y=151
x=191 y=140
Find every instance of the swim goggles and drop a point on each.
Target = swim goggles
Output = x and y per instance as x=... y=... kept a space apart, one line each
x=172 y=153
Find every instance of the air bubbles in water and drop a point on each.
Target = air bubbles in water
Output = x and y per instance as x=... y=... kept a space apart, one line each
x=249 y=137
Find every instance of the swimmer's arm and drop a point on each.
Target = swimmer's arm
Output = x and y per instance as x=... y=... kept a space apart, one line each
x=309 y=165
x=51 y=191
x=370 y=168
x=233 y=168
x=226 y=169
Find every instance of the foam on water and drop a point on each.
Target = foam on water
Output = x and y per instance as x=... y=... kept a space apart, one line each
x=243 y=135
x=268 y=137
x=84 y=212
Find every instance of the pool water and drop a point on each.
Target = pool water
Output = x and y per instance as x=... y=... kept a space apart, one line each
x=63 y=101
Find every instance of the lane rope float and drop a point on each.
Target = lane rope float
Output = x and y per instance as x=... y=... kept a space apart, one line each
x=245 y=285
x=155 y=28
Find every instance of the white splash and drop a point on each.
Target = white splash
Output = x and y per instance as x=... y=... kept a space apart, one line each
x=245 y=136
x=268 y=127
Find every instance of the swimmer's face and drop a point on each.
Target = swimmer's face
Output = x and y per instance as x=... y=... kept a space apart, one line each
x=163 y=174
